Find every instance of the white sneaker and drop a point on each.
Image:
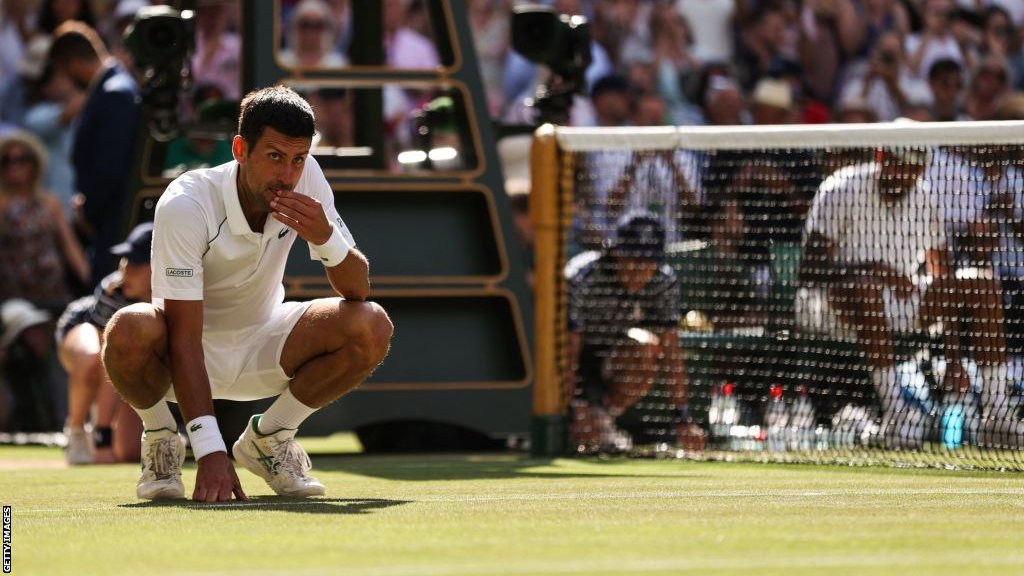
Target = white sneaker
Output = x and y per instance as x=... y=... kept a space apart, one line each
x=278 y=459
x=79 y=448
x=163 y=453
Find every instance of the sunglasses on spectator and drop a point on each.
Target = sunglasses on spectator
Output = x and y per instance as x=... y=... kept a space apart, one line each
x=16 y=159
x=312 y=24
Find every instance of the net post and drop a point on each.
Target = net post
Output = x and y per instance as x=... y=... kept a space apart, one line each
x=548 y=432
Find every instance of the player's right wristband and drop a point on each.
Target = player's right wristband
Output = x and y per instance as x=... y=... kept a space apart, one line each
x=204 y=435
x=334 y=250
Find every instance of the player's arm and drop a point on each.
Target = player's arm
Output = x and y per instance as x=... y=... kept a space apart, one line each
x=216 y=479
x=180 y=238
x=347 y=268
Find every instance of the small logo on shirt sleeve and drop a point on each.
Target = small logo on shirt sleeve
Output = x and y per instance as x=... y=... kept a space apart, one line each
x=179 y=272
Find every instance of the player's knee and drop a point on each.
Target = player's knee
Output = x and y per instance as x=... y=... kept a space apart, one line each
x=373 y=337
x=133 y=330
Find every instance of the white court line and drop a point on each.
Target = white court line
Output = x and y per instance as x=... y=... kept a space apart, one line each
x=584 y=496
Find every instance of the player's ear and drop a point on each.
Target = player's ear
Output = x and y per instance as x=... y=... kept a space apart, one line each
x=239 y=149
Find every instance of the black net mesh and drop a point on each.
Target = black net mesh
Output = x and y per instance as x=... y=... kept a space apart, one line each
x=802 y=304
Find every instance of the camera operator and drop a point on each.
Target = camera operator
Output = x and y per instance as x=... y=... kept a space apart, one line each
x=562 y=44
x=883 y=80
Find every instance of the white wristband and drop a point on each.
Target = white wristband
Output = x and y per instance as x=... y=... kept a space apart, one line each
x=204 y=434
x=334 y=250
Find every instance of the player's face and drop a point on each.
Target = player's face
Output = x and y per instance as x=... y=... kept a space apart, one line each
x=270 y=165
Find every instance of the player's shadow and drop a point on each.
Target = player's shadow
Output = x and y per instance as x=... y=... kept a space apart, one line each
x=280 y=504
x=432 y=467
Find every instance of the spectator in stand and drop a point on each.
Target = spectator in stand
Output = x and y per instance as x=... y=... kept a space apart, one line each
x=311 y=41
x=17 y=27
x=38 y=250
x=1001 y=38
x=772 y=102
x=717 y=278
x=611 y=101
x=489 y=20
x=333 y=112
x=621 y=26
x=989 y=86
x=831 y=33
x=881 y=17
x=18 y=91
x=935 y=41
x=403 y=46
x=218 y=51
x=205 y=145
x=945 y=79
x=26 y=347
x=115 y=27
x=51 y=117
x=649 y=110
x=53 y=13
x=723 y=103
x=854 y=109
x=105 y=138
x=883 y=80
x=714 y=31
x=675 y=59
x=759 y=50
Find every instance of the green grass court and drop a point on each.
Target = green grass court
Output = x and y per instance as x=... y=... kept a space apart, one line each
x=437 y=515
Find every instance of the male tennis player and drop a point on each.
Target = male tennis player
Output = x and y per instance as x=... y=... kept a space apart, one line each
x=219 y=327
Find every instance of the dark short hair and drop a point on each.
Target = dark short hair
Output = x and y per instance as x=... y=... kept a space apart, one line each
x=943 y=67
x=74 y=40
x=277 y=107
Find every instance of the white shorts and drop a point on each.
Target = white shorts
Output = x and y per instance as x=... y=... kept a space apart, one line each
x=815 y=312
x=245 y=364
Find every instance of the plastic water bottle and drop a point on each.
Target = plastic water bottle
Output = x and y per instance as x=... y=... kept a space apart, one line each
x=953 y=425
x=802 y=422
x=776 y=419
x=722 y=414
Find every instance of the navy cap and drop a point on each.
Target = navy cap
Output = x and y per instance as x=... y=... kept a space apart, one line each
x=640 y=235
x=137 y=247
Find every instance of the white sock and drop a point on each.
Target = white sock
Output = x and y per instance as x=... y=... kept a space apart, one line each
x=286 y=413
x=157 y=416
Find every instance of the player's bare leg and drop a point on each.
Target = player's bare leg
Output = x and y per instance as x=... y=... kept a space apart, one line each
x=332 y=349
x=134 y=353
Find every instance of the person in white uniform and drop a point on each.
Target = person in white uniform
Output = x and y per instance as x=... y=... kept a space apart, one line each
x=876 y=263
x=218 y=325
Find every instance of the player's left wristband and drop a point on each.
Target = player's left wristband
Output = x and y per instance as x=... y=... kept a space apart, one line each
x=334 y=250
x=204 y=435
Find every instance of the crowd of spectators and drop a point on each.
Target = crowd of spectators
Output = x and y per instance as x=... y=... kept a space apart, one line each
x=717 y=61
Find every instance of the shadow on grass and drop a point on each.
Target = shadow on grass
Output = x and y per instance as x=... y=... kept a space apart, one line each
x=430 y=467
x=280 y=504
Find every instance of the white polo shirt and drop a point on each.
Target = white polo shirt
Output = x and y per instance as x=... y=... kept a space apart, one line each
x=203 y=248
x=849 y=211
